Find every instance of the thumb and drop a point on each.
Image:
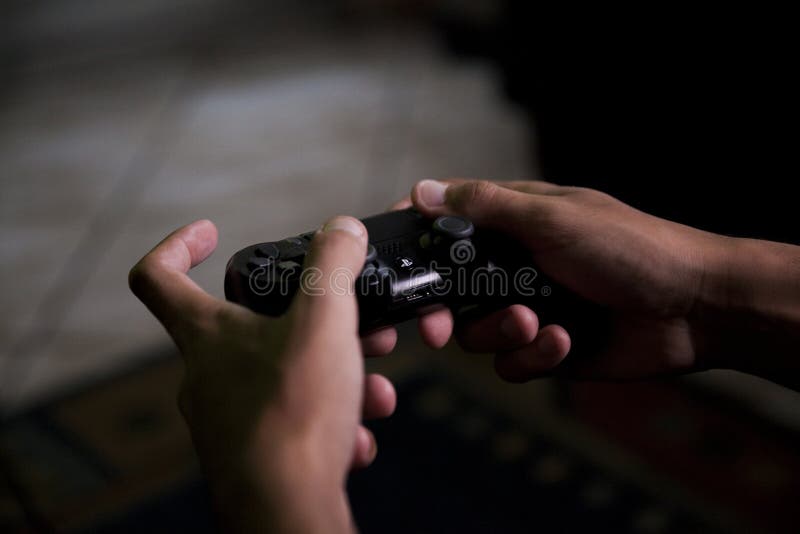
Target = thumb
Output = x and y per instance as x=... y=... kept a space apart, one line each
x=326 y=298
x=487 y=204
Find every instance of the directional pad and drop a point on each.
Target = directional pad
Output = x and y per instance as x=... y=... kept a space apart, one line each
x=292 y=247
x=268 y=250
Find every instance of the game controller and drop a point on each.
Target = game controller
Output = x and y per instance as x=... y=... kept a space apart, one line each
x=412 y=265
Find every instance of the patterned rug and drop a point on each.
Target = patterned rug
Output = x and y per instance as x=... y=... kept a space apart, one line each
x=647 y=458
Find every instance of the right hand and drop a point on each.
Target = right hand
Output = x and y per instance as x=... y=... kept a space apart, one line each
x=648 y=272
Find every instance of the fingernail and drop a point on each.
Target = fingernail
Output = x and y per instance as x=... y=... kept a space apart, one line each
x=431 y=192
x=346 y=224
x=373 y=450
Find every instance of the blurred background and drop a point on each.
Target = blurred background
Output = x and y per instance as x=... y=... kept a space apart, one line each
x=121 y=121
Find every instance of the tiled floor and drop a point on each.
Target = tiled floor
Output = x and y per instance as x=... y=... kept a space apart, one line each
x=100 y=162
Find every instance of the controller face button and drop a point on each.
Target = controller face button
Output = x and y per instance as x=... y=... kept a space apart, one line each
x=256 y=262
x=268 y=250
x=372 y=253
x=290 y=266
x=293 y=247
x=453 y=227
x=425 y=241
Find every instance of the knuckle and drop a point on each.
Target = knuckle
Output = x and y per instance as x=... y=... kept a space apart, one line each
x=552 y=220
x=480 y=192
x=589 y=196
x=140 y=277
x=551 y=213
x=334 y=244
x=332 y=239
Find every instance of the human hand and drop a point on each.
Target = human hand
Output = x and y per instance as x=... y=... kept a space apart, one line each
x=273 y=405
x=648 y=273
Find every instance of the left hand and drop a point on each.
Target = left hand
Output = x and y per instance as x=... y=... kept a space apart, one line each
x=274 y=405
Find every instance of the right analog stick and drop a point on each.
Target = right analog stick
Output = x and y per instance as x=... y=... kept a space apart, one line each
x=453 y=227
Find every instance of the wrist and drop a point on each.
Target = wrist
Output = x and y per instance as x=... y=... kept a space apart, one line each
x=748 y=311
x=282 y=485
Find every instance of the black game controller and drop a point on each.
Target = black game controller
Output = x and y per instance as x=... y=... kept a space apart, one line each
x=413 y=264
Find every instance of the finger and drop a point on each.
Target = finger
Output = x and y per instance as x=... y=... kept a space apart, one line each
x=336 y=257
x=160 y=281
x=436 y=327
x=537 y=187
x=380 y=342
x=503 y=330
x=406 y=202
x=366 y=448
x=401 y=204
x=545 y=352
x=380 y=397
x=619 y=355
x=487 y=204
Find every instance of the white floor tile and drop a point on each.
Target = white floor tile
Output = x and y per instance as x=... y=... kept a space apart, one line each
x=266 y=144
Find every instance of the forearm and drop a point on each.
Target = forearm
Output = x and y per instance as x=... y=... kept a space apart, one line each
x=750 y=310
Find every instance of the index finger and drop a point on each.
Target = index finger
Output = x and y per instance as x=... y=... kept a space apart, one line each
x=160 y=281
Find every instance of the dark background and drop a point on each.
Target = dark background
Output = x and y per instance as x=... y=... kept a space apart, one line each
x=688 y=113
